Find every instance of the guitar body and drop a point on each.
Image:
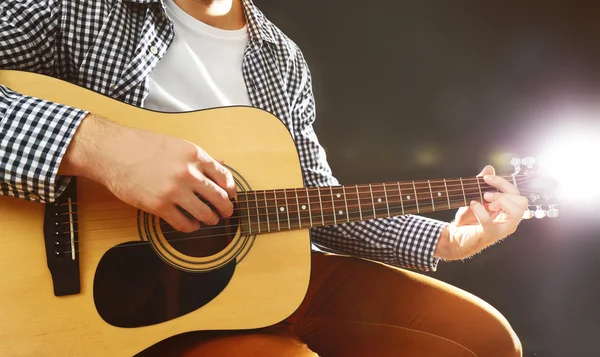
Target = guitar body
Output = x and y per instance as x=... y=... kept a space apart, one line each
x=134 y=294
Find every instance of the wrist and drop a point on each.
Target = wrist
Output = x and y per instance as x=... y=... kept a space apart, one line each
x=84 y=156
x=443 y=246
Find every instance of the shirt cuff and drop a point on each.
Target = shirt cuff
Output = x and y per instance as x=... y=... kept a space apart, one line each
x=417 y=242
x=38 y=133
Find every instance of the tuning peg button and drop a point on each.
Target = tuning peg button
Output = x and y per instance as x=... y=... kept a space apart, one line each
x=528 y=161
x=527 y=214
x=552 y=212
x=540 y=213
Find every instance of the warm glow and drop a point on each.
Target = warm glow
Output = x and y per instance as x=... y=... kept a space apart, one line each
x=571 y=156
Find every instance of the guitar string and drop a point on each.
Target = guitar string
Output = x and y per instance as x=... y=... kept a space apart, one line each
x=420 y=190
x=406 y=207
x=439 y=199
x=138 y=243
x=282 y=202
x=425 y=204
x=200 y=237
x=449 y=183
x=359 y=202
x=296 y=226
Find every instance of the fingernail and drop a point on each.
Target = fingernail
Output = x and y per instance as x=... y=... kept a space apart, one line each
x=488 y=195
x=488 y=177
x=473 y=203
x=196 y=225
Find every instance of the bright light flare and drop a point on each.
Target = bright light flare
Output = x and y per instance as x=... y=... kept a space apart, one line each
x=572 y=158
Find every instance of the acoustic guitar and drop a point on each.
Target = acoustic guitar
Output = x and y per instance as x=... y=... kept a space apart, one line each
x=89 y=275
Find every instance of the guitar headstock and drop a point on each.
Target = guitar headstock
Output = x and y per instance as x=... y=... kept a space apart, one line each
x=538 y=187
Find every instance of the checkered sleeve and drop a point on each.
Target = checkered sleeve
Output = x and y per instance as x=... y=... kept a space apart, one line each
x=406 y=241
x=34 y=133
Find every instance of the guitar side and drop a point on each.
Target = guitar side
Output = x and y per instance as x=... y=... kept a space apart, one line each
x=267 y=286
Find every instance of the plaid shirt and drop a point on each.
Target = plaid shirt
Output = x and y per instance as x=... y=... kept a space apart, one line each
x=110 y=47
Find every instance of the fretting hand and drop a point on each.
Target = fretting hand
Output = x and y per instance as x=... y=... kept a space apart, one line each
x=479 y=226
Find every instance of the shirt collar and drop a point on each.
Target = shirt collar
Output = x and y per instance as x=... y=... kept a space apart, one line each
x=258 y=28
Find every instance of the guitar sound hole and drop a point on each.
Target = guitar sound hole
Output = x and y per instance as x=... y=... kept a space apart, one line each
x=207 y=241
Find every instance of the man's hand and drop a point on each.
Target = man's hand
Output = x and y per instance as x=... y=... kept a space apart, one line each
x=152 y=172
x=479 y=226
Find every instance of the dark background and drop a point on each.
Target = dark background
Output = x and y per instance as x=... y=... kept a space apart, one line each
x=411 y=90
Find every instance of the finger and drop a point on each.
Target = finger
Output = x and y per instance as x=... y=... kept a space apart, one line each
x=178 y=221
x=487 y=170
x=214 y=194
x=501 y=183
x=492 y=196
x=200 y=210
x=221 y=176
x=511 y=204
x=481 y=214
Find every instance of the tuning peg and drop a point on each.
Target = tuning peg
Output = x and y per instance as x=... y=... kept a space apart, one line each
x=528 y=214
x=528 y=161
x=552 y=212
x=540 y=213
x=516 y=163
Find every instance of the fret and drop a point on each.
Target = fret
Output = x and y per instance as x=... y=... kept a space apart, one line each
x=463 y=190
x=416 y=197
x=381 y=201
x=274 y=209
x=372 y=201
x=321 y=205
x=277 y=210
x=353 y=204
x=287 y=208
x=480 y=193
x=387 y=202
x=333 y=205
x=340 y=206
x=447 y=194
x=303 y=208
x=401 y=200
x=346 y=203
x=267 y=212
x=431 y=192
x=359 y=204
x=257 y=211
x=248 y=212
x=309 y=208
x=298 y=209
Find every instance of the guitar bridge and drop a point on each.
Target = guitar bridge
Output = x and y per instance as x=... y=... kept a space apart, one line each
x=61 y=239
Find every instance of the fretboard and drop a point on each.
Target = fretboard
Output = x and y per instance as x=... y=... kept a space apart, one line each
x=267 y=211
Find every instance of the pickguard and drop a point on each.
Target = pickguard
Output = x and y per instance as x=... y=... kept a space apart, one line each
x=133 y=287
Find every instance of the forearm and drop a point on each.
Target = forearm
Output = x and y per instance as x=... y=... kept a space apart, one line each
x=403 y=241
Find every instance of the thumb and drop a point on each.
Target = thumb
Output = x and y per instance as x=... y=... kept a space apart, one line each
x=488 y=170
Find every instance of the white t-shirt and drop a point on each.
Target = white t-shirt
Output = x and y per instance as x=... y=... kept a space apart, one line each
x=201 y=69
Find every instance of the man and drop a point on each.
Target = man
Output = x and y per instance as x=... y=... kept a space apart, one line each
x=175 y=55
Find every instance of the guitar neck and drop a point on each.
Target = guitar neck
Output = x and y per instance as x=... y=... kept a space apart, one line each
x=265 y=211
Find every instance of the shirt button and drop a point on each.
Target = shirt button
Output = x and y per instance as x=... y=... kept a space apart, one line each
x=113 y=86
x=153 y=50
x=34 y=196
